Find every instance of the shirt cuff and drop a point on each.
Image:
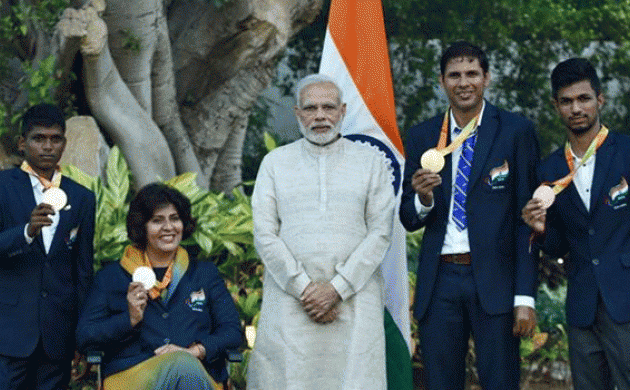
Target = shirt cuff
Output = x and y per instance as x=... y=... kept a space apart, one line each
x=28 y=238
x=421 y=209
x=342 y=286
x=524 y=300
x=300 y=283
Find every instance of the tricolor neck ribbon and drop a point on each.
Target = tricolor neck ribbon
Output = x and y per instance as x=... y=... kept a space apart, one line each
x=562 y=183
x=459 y=140
x=134 y=257
x=56 y=179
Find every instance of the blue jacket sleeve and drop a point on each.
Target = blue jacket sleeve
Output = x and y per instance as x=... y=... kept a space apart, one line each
x=98 y=327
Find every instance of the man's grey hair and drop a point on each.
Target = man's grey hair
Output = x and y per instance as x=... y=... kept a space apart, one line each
x=315 y=78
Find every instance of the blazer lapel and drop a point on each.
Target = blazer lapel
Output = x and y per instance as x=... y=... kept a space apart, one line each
x=447 y=180
x=603 y=158
x=486 y=133
x=25 y=195
x=447 y=172
x=24 y=190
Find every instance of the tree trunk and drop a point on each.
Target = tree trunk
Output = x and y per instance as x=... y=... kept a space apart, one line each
x=223 y=61
x=172 y=81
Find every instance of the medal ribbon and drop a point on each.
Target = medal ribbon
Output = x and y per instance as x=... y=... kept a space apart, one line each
x=562 y=183
x=459 y=140
x=56 y=179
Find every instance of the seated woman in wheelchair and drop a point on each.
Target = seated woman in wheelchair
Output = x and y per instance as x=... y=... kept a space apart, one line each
x=171 y=328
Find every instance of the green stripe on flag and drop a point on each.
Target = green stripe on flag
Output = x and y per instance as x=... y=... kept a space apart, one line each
x=399 y=374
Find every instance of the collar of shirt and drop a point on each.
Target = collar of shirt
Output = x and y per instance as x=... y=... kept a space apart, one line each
x=577 y=159
x=453 y=123
x=37 y=184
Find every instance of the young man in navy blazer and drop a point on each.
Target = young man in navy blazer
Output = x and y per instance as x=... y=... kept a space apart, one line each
x=46 y=259
x=589 y=220
x=475 y=274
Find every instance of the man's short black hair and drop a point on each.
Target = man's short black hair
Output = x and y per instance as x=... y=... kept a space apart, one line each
x=45 y=115
x=464 y=49
x=572 y=71
x=147 y=201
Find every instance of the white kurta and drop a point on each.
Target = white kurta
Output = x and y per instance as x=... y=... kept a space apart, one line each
x=321 y=214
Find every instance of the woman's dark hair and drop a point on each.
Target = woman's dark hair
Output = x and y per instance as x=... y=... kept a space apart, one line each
x=149 y=199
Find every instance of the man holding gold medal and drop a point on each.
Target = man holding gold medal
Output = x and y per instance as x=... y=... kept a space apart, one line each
x=466 y=188
x=46 y=255
x=581 y=209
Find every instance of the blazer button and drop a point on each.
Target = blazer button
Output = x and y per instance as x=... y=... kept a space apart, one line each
x=591 y=231
x=44 y=294
x=595 y=261
x=165 y=315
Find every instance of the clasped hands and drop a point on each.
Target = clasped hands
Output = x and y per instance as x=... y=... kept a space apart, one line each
x=320 y=300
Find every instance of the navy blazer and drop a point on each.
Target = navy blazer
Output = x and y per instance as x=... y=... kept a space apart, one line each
x=41 y=294
x=200 y=310
x=501 y=263
x=598 y=241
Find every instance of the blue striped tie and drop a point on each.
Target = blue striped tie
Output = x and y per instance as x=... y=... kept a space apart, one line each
x=461 y=181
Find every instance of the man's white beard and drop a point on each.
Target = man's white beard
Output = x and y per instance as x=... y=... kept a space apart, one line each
x=321 y=138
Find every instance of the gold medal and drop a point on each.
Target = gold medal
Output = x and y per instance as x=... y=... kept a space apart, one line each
x=432 y=160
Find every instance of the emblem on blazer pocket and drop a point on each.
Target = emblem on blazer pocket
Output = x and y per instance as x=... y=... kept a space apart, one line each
x=498 y=176
x=618 y=195
x=197 y=300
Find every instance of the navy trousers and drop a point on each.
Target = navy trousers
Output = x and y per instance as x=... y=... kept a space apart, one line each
x=452 y=316
x=35 y=372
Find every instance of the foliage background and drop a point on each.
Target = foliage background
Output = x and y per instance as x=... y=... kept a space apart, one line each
x=523 y=38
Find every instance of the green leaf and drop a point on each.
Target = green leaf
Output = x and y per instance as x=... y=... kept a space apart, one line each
x=79 y=176
x=117 y=177
x=186 y=184
x=204 y=241
x=251 y=306
x=270 y=142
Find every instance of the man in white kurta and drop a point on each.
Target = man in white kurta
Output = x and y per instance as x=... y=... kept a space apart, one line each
x=323 y=210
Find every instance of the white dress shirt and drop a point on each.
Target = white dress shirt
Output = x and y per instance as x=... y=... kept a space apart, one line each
x=583 y=178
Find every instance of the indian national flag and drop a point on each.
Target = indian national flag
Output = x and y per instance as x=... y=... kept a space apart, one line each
x=356 y=56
